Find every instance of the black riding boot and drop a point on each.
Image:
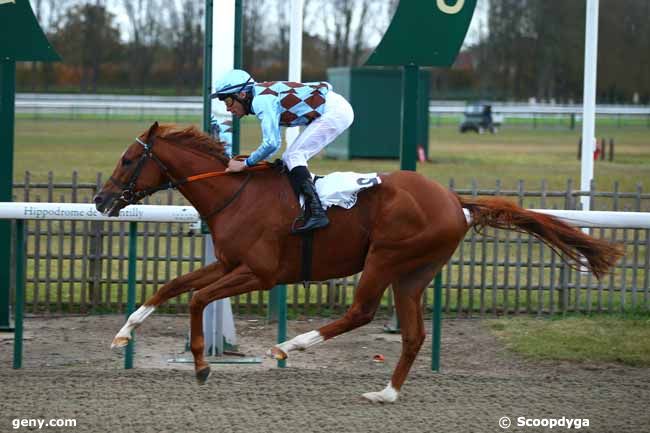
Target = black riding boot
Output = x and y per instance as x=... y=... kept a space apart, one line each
x=315 y=216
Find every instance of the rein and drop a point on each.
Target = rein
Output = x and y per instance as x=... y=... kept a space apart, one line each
x=130 y=196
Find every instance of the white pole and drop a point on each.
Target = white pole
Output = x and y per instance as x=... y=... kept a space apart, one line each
x=295 y=54
x=217 y=317
x=223 y=46
x=589 y=101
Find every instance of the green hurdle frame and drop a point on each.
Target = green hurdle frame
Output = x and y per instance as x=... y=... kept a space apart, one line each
x=278 y=301
x=19 y=248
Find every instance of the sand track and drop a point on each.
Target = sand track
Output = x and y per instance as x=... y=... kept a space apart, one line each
x=70 y=373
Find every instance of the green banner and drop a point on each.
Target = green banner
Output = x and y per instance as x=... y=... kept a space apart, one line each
x=424 y=33
x=21 y=37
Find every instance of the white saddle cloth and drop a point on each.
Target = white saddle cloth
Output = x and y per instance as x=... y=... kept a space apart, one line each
x=341 y=188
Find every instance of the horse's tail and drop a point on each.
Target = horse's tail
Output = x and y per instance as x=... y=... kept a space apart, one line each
x=558 y=235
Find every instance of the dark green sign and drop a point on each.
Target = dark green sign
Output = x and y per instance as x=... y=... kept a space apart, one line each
x=424 y=33
x=21 y=39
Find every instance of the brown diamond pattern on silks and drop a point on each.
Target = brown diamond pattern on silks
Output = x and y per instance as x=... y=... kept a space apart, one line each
x=289 y=91
x=312 y=115
x=266 y=83
x=293 y=85
x=269 y=91
x=289 y=101
x=318 y=86
x=287 y=117
x=315 y=100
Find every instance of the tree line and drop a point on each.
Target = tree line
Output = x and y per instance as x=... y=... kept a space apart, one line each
x=161 y=49
x=523 y=48
x=535 y=49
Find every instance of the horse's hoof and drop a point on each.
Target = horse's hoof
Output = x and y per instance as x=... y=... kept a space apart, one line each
x=380 y=397
x=276 y=353
x=119 y=342
x=203 y=375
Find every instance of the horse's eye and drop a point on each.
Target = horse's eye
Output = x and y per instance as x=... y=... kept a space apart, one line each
x=126 y=162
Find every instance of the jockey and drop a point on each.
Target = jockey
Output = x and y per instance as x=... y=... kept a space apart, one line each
x=281 y=103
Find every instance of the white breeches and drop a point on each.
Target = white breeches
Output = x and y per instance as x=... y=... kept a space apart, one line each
x=337 y=117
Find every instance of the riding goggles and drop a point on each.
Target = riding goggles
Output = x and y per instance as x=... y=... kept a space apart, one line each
x=228 y=100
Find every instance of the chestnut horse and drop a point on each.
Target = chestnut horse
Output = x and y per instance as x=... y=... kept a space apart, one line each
x=400 y=233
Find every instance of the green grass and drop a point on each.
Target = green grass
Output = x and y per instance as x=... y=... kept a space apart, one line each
x=514 y=154
x=596 y=338
x=533 y=156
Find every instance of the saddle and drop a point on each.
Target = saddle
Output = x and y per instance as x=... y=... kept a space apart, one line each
x=336 y=189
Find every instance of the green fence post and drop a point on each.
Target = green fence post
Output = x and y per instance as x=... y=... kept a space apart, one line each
x=280 y=297
x=20 y=293
x=408 y=150
x=130 y=301
x=207 y=67
x=272 y=311
x=7 y=109
x=436 y=323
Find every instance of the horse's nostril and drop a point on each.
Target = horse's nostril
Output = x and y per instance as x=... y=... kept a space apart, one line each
x=98 y=199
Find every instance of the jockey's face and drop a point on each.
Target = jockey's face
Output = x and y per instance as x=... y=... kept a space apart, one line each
x=234 y=106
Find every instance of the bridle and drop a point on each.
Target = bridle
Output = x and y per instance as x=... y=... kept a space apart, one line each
x=130 y=196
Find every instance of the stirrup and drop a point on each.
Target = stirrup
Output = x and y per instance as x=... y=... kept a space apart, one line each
x=324 y=222
x=297 y=221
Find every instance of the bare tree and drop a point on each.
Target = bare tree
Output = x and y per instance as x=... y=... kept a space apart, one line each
x=284 y=28
x=144 y=17
x=347 y=27
x=255 y=34
x=88 y=39
x=360 y=41
x=184 y=39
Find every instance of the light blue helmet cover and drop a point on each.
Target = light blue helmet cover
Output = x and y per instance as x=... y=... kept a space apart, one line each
x=234 y=81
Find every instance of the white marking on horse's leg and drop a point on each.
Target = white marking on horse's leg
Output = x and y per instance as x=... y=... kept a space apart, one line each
x=301 y=342
x=387 y=395
x=134 y=320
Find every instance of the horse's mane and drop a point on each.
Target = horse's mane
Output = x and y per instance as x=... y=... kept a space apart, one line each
x=196 y=139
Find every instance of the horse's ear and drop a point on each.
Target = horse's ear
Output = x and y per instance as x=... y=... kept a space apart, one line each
x=152 y=129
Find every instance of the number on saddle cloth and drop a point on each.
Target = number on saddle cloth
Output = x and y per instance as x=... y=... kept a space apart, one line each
x=341 y=188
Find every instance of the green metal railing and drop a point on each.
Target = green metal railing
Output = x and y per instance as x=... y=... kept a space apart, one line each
x=436 y=323
x=279 y=296
x=20 y=293
x=130 y=303
x=20 y=249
